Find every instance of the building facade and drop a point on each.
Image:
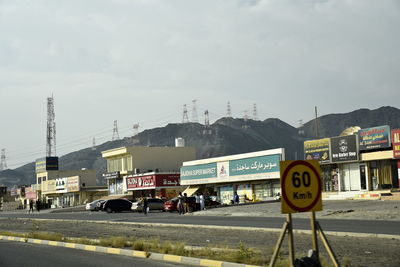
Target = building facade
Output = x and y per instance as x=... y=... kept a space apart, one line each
x=252 y=176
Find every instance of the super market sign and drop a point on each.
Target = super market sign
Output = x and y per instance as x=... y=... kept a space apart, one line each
x=199 y=171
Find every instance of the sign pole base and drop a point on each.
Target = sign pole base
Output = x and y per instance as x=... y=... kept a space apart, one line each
x=327 y=246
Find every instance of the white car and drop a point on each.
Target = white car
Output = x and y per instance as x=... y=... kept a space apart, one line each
x=95 y=205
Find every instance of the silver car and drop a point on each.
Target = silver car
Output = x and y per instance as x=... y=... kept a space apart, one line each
x=94 y=205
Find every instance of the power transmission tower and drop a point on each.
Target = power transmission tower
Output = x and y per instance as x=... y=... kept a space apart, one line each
x=115 y=131
x=3 y=164
x=94 y=144
x=245 y=118
x=194 y=112
x=207 y=128
x=301 y=127
x=51 y=129
x=228 y=110
x=136 y=129
x=185 y=118
x=255 y=117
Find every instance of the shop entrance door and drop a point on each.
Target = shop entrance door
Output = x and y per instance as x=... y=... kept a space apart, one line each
x=363 y=177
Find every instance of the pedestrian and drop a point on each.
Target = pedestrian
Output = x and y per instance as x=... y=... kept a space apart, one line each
x=30 y=206
x=236 y=198
x=145 y=205
x=202 y=202
x=38 y=205
x=185 y=203
x=197 y=197
x=179 y=205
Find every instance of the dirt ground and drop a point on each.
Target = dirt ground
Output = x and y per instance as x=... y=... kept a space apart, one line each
x=360 y=251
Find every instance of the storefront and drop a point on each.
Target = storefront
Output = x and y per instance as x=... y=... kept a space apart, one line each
x=160 y=185
x=252 y=176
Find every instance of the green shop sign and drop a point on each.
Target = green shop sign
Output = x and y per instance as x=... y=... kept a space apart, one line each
x=199 y=171
x=256 y=165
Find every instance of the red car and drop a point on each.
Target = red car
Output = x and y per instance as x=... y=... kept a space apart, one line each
x=172 y=205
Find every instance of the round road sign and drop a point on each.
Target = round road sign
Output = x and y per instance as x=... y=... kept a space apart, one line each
x=301 y=186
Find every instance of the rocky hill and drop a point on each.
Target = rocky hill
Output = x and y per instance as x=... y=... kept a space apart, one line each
x=224 y=137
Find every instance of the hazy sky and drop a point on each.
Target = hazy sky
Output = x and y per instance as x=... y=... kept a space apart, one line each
x=139 y=61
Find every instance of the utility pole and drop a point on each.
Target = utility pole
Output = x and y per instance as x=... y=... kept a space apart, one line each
x=94 y=144
x=245 y=118
x=316 y=123
x=301 y=128
x=51 y=129
x=115 y=131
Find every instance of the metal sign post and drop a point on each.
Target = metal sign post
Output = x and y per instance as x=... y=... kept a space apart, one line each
x=301 y=192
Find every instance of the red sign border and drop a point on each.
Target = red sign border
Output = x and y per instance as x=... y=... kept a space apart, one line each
x=287 y=169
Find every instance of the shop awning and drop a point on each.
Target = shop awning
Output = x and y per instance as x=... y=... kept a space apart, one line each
x=190 y=190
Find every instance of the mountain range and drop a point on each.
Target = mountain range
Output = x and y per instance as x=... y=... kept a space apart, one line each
x=226 y=136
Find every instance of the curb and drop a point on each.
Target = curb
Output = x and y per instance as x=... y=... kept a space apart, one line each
x=130 y=253
x=213 y=227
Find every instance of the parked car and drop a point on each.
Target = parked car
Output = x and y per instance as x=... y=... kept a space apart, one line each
x=153 y=204
x=116 y=205
x=171 y=205
x=94 y=205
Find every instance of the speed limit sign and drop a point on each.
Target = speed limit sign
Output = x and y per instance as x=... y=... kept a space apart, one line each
x=301 y=186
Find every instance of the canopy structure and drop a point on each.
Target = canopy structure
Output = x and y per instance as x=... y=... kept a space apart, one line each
x=190 y=190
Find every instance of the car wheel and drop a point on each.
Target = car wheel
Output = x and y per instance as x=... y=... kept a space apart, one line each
x=109 y=210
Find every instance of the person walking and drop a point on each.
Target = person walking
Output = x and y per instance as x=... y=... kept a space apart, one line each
x=185 y=203
x=202 y=202
x=38 y=203
x=180 y=203
x=197 y=197
x=30 y=206
x=145 y=205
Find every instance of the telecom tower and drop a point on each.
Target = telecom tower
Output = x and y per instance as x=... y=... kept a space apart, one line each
x=194 y=112
x=3 y=165
x=207 y=128
x=245 y=118
x=51 y=129
x=255 y=112
x=136 y=129
x=228 y=110
x=185 y=118
x=115 y=131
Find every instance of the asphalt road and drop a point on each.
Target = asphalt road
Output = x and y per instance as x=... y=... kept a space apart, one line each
x=27 y=254
x=337 y=225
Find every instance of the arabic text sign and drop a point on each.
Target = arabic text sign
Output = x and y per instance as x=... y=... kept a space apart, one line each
x=301 y=186
x=317 y=150
x=140 y=182
x=374 y=138
x=255 y=165
x=396 y=143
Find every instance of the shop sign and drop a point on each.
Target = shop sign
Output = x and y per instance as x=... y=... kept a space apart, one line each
x=140 y=182
x=14 y=192
x=49 y=186
x=111 y=175
x=396 y=143
x=223 y=169
x=374 y=138
x=45 y=164
x=317 y=150
x=165 y=180
x=344 y=148
x=255 y=165
x=73 y=184
x=30 y=193
x=199 y=171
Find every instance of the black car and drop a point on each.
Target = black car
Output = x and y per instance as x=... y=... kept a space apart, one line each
x=117 y=205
